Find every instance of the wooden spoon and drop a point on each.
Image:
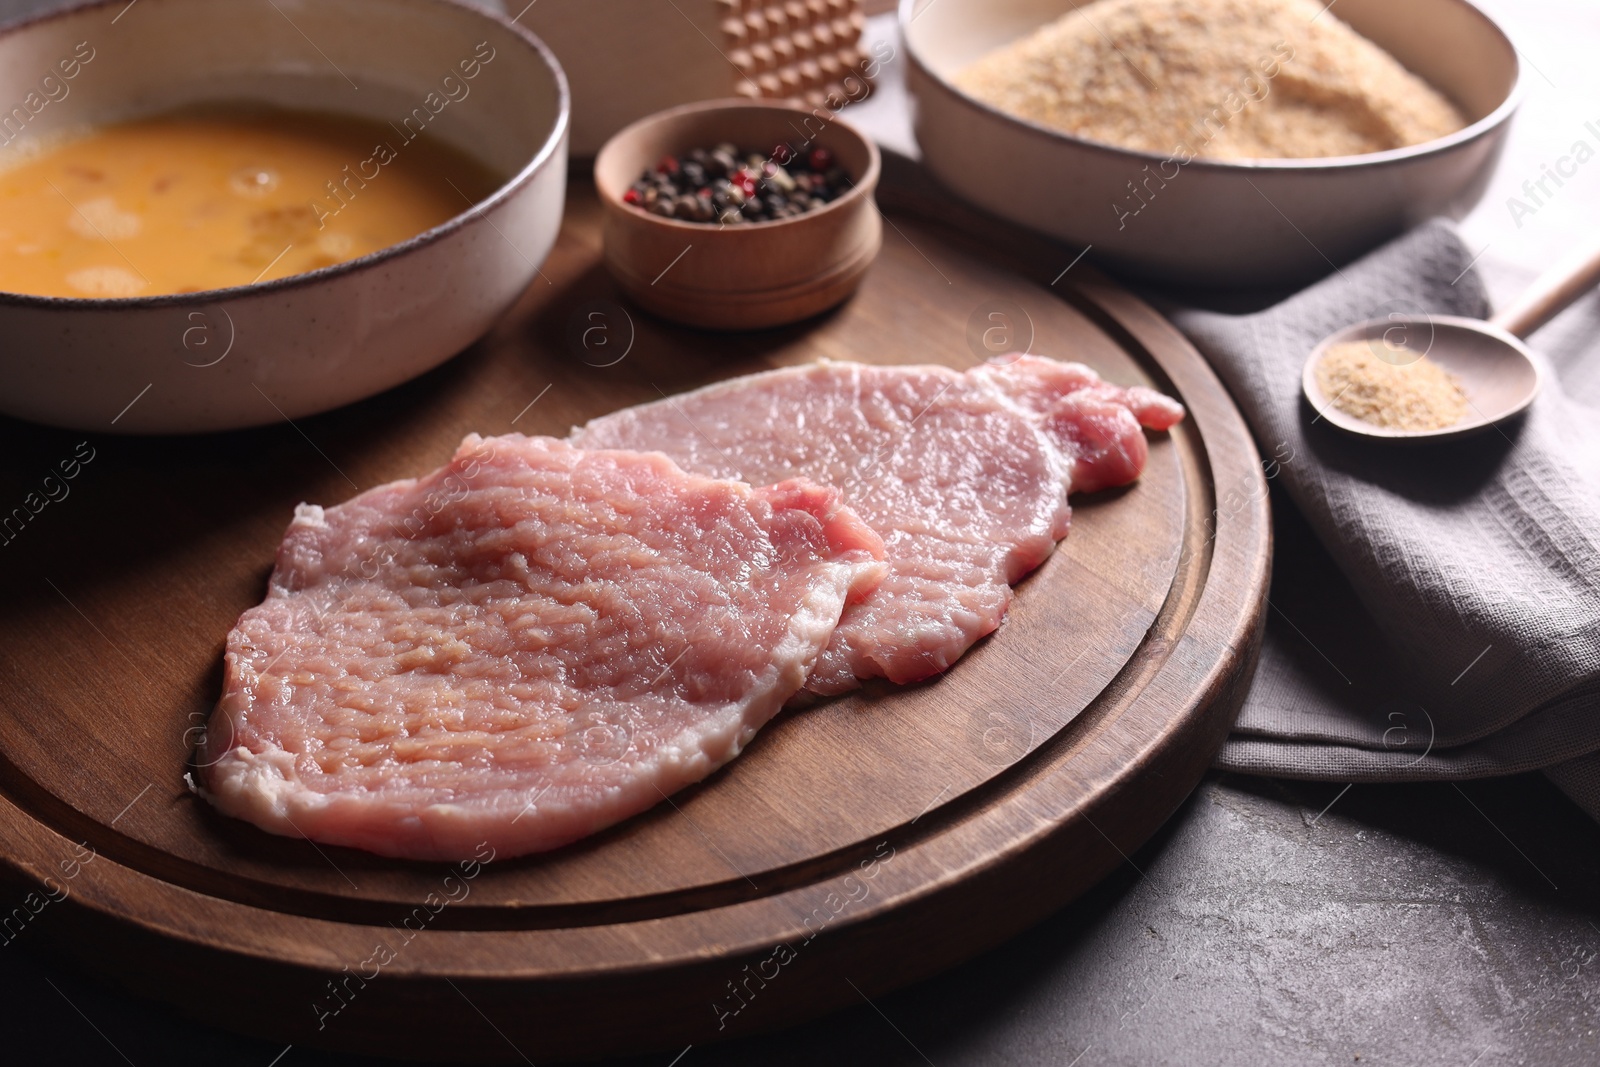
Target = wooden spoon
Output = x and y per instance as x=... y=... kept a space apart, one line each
x=1494 y=367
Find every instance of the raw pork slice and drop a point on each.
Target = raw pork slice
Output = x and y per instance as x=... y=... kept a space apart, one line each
x=527 y=645
x=1094 y=423
x=965 y=475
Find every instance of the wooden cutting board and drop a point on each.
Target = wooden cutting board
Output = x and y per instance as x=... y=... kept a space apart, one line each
x=856 y=846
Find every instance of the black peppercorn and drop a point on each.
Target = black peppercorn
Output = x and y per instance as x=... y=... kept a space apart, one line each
x=726 y=185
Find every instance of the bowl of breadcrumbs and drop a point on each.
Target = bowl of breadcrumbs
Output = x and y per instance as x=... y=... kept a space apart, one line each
x=1212 y=142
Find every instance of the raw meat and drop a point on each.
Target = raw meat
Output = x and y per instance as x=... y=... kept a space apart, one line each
x=965 y=475
x=1094 y=423
x=527 y=645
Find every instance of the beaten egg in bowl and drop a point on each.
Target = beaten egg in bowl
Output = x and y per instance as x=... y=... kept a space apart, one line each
x=228 y=196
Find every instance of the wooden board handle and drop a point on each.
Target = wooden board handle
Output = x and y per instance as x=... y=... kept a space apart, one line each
x=1556 y=288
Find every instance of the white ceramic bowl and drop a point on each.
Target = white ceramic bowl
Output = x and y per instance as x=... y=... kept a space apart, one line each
x=257 y=354
x=1263 y=222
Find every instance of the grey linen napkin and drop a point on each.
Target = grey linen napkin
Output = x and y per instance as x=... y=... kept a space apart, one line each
x=1435 y=610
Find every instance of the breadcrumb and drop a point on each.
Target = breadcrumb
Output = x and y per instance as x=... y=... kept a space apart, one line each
x=1396 y=388
x=1220 y=79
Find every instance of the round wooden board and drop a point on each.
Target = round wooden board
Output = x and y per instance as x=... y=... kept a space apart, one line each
x=856 y=846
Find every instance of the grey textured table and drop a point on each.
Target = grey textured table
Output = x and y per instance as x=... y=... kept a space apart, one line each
x=1269 y=922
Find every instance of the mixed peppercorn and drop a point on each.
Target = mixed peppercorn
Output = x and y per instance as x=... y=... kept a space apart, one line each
x=727 y=186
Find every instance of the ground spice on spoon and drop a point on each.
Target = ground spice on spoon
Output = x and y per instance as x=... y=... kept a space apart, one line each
x=1393 y=387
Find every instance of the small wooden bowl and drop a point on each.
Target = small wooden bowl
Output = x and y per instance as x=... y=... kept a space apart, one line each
x=750 y=275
